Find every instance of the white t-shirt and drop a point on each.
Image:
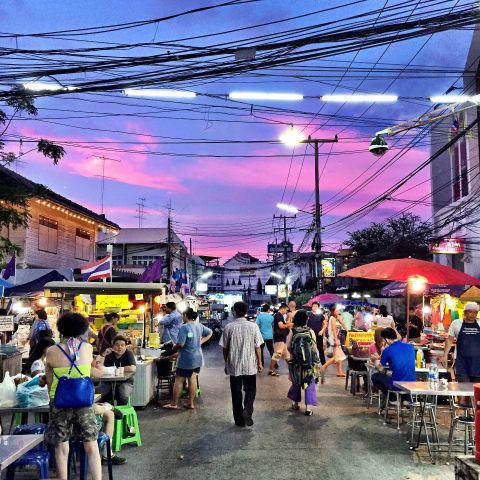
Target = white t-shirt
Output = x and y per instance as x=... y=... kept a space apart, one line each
x=384 y=322
x=455 y=327
x=37 y=365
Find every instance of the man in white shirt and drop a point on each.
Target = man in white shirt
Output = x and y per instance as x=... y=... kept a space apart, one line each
x=467 y=334
x=241 y=342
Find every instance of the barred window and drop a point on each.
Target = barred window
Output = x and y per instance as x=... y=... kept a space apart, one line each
x=83 y=244
x=47 y=235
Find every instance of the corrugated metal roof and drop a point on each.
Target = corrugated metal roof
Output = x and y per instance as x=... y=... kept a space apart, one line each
x=140 y=236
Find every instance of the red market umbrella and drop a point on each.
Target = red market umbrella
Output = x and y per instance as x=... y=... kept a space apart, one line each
x=324 y=298
x=405 y=269
x=417 y=273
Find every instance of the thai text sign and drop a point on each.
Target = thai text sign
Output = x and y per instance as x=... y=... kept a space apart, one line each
x=449 y=246
x=6 y=323
x=104 y=302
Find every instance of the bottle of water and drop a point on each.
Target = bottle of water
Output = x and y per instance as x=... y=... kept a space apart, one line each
x=431 y=375
x=435 y=375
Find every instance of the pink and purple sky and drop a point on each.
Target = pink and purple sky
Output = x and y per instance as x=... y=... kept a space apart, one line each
x=221 y=189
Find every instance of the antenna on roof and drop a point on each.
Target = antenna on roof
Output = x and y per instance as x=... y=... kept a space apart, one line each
x=140 y=211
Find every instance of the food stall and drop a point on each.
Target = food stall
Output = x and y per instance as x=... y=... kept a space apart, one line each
x=136 y=304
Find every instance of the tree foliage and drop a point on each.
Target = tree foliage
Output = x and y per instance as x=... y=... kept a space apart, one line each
x=14 y=198
x=405 y=236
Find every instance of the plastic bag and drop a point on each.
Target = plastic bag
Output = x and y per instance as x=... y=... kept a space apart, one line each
x=31 y=394
x=7 y=391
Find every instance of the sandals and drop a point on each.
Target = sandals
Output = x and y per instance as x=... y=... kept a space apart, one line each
x=169 y=406
x=272 y=373
x=308 y=413
x=295 y=407
x=189 y=407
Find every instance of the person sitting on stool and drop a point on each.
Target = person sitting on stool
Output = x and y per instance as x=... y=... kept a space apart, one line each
x=399 y=357
x=118 y=356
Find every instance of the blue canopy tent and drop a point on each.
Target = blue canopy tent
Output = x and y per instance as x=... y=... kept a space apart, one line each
x=35 y=286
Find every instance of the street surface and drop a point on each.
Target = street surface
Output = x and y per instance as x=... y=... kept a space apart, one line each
x=341 y=441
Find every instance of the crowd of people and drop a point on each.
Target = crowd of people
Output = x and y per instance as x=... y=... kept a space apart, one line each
x=309 y=342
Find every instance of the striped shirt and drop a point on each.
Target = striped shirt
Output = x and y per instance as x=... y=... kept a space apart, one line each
x=241 y=337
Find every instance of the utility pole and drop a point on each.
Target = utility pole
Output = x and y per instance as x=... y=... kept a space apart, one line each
x=169 y=241
x=140 y=211
x=318 y=224
x=285 y=247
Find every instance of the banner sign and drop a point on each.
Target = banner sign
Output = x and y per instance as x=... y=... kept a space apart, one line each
x=6 y=323
x=280 y=247
x=328 y=267
x=450 y=246
x=359 y=337
x=103 y=302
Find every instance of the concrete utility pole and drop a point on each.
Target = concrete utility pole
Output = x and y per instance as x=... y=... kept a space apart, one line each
x=285 y=247
x=169 y=241
x=318 y=224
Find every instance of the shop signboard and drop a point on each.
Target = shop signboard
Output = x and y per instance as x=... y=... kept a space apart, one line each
x=282 y=290
x=280 y=247
x=202 y=287
x=328 y=267
x=451 y=246
x=104 y=302
x=359 y=337
x=270 y=289
x=6 y=323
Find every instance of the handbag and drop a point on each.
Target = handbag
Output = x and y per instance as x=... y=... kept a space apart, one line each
x=73 y=392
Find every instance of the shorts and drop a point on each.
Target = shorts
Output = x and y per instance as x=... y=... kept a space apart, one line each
x=66 y=423
x=280 y=351
x=185 y=372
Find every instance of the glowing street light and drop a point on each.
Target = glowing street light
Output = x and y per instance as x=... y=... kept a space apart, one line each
x=206 y=275
x=450 y=98
x=292 y=137
x=47 y=87
x=289 y=97
x=360 y=98
x=287 y=208
x=276 y=275
x=158 y=93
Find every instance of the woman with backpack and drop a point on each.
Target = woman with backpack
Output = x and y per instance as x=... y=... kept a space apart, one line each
x=69 y=368
x=304 y=362
x=107 y=332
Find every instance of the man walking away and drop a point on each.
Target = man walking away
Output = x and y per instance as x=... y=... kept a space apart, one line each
x=241 y=342
x=265 y=324
x=281 y=329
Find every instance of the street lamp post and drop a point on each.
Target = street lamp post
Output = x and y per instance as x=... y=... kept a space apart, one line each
x=293 y=137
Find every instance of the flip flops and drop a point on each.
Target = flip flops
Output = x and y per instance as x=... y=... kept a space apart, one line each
x=169 y=406
x=272 y=373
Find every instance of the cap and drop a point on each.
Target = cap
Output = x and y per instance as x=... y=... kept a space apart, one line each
x=472 y=306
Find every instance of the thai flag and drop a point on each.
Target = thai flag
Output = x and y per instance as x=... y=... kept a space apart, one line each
x=100 y=269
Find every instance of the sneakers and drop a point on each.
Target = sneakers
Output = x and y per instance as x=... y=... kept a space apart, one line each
x=116 y=460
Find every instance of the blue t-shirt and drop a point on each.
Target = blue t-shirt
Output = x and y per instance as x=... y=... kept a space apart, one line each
x=400 y=357
x=190 y=335
x=171 y=325
x=265 y=323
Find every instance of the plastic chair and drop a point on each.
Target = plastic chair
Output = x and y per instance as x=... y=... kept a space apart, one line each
x=39 y=458
x=32 y=429
x=77 y=450
x=129 y=420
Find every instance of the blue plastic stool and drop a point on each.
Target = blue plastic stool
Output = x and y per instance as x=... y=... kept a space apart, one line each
x=38 y=458
x=77 y=450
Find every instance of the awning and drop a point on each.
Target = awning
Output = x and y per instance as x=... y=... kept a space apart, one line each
x=35 y=286
x=106 y=288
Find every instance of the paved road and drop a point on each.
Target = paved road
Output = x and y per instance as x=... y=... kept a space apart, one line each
x=341 y=441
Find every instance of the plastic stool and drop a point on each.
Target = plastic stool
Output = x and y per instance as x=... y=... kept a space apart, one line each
x=129 y=418
x=36 y=457
x=198 y=391
x=32 y=429
x=76 y=449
